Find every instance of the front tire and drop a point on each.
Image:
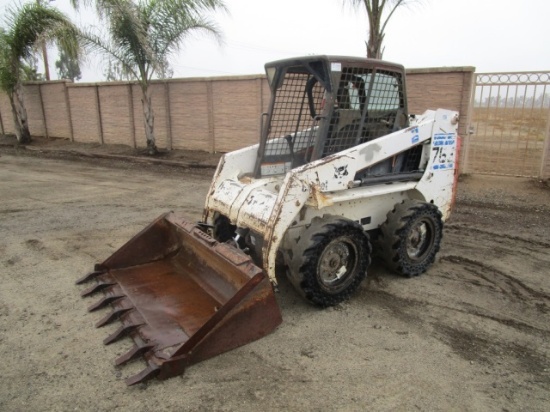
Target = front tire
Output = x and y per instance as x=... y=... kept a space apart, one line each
x=411 y=237
x=332 y=259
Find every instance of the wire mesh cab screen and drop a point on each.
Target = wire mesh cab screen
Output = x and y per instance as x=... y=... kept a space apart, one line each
x=316 y=113
x=366 y=106
x=294 y=122
x=370 y=103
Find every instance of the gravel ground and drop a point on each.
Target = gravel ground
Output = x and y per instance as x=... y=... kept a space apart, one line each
x=471 y=334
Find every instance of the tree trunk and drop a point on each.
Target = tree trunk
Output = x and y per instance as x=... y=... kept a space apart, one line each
x=374 y=47
x=149 y=119
x=20 y=115
x=374 y=44
x=45 y=58
x=15 y=117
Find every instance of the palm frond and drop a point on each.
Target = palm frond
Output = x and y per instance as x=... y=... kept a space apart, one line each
x=34 y=21
x=144 y=34
x=25 y=27
x=8 y=79
x=99 y=44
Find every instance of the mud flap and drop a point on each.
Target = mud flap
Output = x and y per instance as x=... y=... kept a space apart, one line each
x=182 y=297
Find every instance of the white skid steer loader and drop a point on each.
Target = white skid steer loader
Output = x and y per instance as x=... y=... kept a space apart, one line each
x=339 y=160
x=340 y=165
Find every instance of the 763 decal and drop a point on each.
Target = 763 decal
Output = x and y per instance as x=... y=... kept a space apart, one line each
x=443 y=152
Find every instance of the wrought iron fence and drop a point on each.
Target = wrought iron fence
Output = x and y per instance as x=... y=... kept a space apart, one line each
x=510 y=125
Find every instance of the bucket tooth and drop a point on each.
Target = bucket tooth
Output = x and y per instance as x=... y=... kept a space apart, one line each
x=146 y=374
x=89 y=276
x=132 y=354
x=120 y=333
x=110 y=317
x=104 y=301
x=96 y=288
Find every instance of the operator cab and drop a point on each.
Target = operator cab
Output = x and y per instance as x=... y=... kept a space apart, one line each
x=322 y=105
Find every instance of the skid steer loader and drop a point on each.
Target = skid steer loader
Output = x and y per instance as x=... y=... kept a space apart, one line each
x=340 y=167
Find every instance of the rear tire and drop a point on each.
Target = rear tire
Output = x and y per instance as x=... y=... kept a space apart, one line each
x=411 y=237
x=333 y=256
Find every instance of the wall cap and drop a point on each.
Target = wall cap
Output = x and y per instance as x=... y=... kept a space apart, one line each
x=454 y=69
x=174 y=80
x=41 y=83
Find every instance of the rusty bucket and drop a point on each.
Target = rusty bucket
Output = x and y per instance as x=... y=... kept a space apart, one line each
x=182 y=297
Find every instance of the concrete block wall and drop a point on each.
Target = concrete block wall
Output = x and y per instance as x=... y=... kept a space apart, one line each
x=210 y=114
x=442 y=87
x=54 y=100
x=191 y=122
x=6 y=117
x=84 y=110
x=114 y=105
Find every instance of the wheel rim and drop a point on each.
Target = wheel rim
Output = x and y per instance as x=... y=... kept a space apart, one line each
x=420 y=239
x=336 y=264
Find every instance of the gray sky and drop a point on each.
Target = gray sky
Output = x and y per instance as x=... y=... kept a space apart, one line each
x=492 y=35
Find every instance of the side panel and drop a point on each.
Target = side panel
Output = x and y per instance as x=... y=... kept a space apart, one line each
x=370 y=211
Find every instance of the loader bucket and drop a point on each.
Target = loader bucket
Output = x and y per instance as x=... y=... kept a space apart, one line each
x=182 y=297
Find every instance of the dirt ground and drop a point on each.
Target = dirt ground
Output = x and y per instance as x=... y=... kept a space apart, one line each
x=471 y=334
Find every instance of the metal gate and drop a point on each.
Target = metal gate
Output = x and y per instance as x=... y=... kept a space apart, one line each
x=510 y=125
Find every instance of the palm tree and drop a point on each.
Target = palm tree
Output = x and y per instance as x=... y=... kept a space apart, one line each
x=376 y=9
x=27 y=26
x=142 y=35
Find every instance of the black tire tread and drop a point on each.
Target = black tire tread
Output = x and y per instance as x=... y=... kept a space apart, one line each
x=314 y=239
x=392 y=236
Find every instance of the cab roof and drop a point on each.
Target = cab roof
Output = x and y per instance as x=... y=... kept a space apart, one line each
x=348 y=61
